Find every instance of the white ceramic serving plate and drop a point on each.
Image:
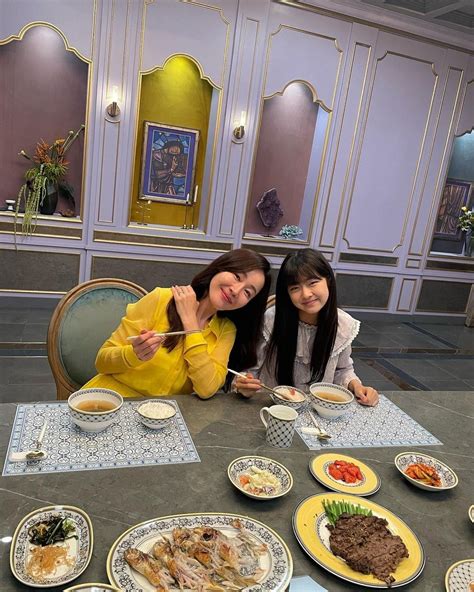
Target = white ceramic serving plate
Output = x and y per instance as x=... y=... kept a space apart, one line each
x=449 y=479
x=471 y=513
x=243 y=464
x=277 y=563
x=330 y=409
x=293 y=404
x=98 y=421
x=155 y=423
x=79 y=549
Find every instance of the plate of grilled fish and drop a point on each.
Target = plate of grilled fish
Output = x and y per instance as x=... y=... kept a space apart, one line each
x=215 y=552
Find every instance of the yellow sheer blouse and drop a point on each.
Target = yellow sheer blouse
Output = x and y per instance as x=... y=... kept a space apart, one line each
x=197 y=364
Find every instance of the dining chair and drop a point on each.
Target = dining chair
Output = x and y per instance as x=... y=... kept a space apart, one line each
x=82 y=321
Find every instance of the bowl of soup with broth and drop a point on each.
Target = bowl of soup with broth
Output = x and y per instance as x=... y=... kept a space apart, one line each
x=330 y=400
x=94 y=409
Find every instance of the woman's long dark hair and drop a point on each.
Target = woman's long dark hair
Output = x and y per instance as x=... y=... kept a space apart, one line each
x=247 y=320
x=298 y=267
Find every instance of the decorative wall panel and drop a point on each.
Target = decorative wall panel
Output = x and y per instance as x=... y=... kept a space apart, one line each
x=363 y=291
x=172 y=26
x=144 y=272
x=34 y=271
x=406 y=295
x=443 y=296
x=392 y=142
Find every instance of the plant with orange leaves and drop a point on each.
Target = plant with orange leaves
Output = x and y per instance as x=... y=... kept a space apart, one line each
x=50 y=168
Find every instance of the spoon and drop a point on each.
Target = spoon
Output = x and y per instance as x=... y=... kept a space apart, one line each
x=264 y=386
x=323 y=435
x=37 y=453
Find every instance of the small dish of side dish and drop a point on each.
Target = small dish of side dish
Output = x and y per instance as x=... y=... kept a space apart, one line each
x=460 y=576
x=259 y=477
x=51 y=546
x=345 y=474
x=425 y=472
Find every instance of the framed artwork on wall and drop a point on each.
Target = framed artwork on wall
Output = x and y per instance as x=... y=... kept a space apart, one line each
x=168 y=163
x=455 y=195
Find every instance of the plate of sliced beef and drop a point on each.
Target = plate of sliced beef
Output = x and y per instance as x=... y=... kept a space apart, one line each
x=358 y=540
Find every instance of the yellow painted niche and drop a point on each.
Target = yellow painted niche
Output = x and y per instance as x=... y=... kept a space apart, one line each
x=176 y=96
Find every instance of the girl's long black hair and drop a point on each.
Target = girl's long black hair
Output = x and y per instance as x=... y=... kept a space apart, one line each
x=300 y=266
x=247 y=320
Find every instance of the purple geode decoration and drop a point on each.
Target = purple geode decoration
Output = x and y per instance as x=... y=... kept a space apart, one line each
x=269 y=208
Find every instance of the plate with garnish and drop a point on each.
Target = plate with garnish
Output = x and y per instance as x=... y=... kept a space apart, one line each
x=259 y=477
x=358 y=540
x=425 y=472
x=345 y=474
x=51 y=546
x=460 y=576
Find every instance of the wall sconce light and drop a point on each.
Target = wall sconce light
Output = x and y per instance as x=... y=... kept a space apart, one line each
x=113 y=110
x=239 y=129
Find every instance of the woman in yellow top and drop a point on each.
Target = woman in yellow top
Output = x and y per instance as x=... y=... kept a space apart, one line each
x=224 y=306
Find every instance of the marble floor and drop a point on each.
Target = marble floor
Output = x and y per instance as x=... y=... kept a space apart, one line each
x=389 y=354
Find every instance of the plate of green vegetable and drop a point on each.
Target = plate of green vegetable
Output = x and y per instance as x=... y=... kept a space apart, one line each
x=51 y=546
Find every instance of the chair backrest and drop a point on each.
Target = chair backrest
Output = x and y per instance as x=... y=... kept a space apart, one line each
x=81 y=322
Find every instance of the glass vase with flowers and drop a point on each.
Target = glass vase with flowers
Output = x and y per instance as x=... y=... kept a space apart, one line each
x=44 y=181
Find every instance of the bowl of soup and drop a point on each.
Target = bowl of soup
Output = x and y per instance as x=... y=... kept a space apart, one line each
x=330 y=400
x=94 y=409
x=289 y=396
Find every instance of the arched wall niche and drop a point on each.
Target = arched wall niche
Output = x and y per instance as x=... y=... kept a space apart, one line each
x=177 y=95
x=43 y=95
x=288 y=158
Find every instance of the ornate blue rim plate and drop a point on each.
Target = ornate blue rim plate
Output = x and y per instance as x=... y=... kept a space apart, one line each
x=277 y=564
x=448 y=477
x=80 y=549
x=243 y=464
x=460 y=575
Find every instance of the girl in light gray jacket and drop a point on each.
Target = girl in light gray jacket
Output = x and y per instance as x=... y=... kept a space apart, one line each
x=306 y=338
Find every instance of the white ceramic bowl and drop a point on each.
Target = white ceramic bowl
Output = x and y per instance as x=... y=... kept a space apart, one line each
x=243 y=464
x=448 y=477
x=156 y=423
x=293 y=404
x=94 y=421
x=330 y=409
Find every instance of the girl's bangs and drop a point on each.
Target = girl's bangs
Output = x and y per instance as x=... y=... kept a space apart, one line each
x=300 y=273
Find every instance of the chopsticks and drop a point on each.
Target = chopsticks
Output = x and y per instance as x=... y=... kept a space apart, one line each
x=130 y=337
x=261 y=384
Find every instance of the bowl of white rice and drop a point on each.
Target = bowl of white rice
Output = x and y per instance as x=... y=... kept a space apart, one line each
x=156 y=414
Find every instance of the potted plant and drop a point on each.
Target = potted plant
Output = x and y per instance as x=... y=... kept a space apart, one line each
x=44 y=181
x=466 y=223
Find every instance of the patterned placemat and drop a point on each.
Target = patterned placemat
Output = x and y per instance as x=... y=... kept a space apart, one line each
x=127 y=443
x=383 y=425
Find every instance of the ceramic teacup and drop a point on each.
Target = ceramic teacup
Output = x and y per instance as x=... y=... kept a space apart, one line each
x=279 y=421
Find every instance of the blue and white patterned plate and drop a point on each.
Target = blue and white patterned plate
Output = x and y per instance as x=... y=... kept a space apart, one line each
x=242 y=465
x=460 y=576
x=80 y=549
x=448 y=477
x=277 y=564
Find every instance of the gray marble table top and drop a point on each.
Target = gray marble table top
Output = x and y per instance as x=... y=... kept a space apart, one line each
x=226 y=427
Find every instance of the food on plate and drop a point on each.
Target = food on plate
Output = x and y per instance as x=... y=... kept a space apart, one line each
x=345 y=471
x=364 y=541
x=289 y=393
x=52 y=530
x=157 y=410
x=44 y=561
x=95 y=406
x=259 y=481
x=201 y=558
x=48 y=551
x=424 y=473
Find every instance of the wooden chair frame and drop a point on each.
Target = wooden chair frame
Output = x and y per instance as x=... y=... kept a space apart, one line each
x=64 y=385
